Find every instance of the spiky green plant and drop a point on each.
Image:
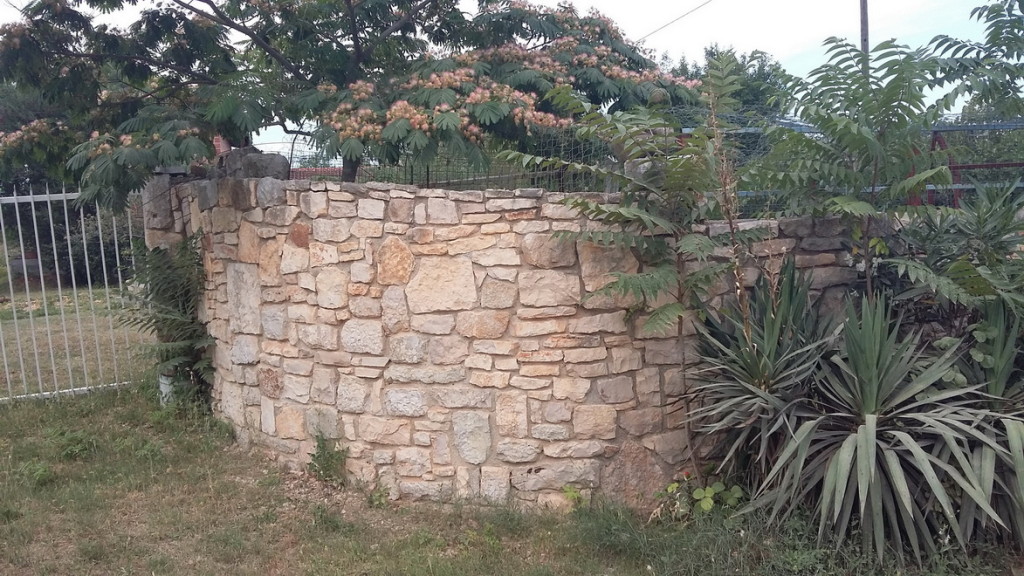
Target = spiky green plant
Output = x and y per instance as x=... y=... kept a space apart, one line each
x=167 y=291
x=756 y=371
x=888 y=452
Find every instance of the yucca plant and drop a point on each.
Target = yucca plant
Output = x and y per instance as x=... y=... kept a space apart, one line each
x=994 y=362
x=757 y=369
x=889 y=450
x=167 y=290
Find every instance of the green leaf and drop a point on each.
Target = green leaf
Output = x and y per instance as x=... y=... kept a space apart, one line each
x=351 y=149
x=446 y=121
x=396 y=130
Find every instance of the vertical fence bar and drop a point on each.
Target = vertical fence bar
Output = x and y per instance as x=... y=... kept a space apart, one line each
x=120 y=281
x=3 y=338
x=14 y=303
x=60 y=288
x=28 y=296
x=42 y=288
x=106 y=293
x=92 y=297
x=74 y=288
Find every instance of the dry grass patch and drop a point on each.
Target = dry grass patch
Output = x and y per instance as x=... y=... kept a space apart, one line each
x=109 y=484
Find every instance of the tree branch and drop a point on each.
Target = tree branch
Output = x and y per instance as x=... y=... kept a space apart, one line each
x=405 y=19
x=220 y=17
x=100 y=56
x=281 y=124
x=357 y=45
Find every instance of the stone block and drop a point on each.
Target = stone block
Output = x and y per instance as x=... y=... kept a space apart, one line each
x=548 y=288
x=401 y=402
x=425 y=374
x=441 y=284
x=463 y=397
x=555 y=476
x=547 y=251
x=482 y=323
x=370 y=209
x=624 y=360
x=517 y=451
x=496 y=257
x=243 y=298
x=489 y=379
x=471 y=433
x=511 y=414
x=641 y=422
x=353 y=394
x=494 y=483
x=394 y=312
x=412 y=461
x=574 y=389
x=594 y=421
x=362 y=336
x=613 y=322
x=575 y=449
x=582 y=355
x=290 y=422
x=442 y=211
x=407 y=348
x=550 y=432
x=445 y=350
x=395 y=262
x=393 y=431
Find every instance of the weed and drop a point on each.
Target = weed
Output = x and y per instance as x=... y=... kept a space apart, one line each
x=325 y=520
x=508 y=520
x=327 y=462
x=37 y=473
x=71 y=444
x=573 y=495
x=679 y=502
x=379 y=497
x=8 y=515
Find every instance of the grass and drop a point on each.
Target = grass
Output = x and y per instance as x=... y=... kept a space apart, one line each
x=108 y=484
x=723 y=543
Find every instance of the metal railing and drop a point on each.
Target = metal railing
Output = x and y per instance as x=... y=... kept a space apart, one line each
x=62 y=279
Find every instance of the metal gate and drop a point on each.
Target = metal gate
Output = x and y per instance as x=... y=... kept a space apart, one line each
x=62 y=292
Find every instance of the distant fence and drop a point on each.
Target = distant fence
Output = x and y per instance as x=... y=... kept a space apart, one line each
x=62 y=275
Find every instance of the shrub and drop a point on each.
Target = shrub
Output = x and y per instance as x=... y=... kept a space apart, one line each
x=876 y=443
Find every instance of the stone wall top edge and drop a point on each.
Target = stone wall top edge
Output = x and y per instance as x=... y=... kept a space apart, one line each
x=376 y=189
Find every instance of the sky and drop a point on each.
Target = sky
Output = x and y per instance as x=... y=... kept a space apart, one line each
x=792 y=31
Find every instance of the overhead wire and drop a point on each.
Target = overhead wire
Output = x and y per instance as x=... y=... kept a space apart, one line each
x=677 y=19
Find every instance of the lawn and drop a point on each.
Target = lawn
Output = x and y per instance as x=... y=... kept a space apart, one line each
x=107 y=483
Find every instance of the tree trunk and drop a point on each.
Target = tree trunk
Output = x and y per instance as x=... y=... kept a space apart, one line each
x=349 y=170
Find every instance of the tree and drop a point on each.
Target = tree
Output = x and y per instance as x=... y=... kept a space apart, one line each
x=33 y=146
x=865 y=153
x=366 y=79
x=761 y=78
x=991 y=70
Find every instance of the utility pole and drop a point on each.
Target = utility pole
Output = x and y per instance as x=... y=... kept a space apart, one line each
x=864 y=45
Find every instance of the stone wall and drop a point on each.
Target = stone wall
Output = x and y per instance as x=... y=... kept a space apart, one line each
x=444 y=338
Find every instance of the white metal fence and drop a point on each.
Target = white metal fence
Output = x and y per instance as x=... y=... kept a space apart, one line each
x=62 y=278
